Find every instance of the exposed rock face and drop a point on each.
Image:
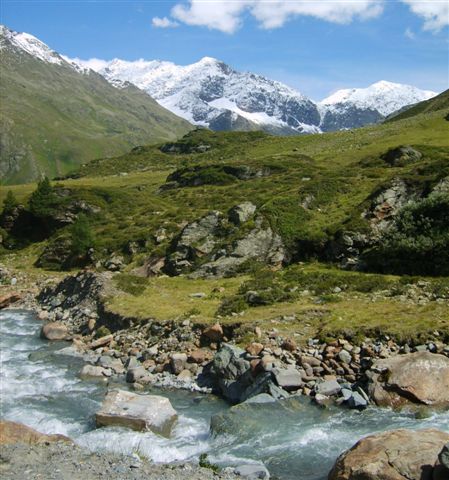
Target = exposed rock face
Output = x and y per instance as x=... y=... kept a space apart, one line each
x=393 y=455
x=12 y=432
x=401 y=156
x=215 y=246
x=420 y=377
x=139 y=412
x=54 y=331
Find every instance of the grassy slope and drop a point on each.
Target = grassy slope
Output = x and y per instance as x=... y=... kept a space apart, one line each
x=341 y=169
x=54 y=118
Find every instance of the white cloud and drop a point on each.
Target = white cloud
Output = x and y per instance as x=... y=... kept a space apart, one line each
x=163 y=22
x=227 y=15
x=409 y=33
x=95 y=64
x=434 y=12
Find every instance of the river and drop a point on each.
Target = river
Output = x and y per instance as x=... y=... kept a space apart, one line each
x=295 y=440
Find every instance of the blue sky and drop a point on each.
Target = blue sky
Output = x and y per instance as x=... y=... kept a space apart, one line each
x=316 y=46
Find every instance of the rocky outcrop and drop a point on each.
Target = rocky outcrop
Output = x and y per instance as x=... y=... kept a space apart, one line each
x=401 y=156
x=139 y=412
x=216 y=246
x=12 y=432
x=420 y=378
x=393 y=455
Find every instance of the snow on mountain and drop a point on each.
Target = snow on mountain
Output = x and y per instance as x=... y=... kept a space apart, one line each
x=29 y=44
x=385 y=97
x=202 y=92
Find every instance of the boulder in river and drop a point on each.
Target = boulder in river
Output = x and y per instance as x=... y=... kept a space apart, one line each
x=54 y=331
x=139 y=412
x=420 y=377
x=252 y=472
x=393 y=455
x=13 y=432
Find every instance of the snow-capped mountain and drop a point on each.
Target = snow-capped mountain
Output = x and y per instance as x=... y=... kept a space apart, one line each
x=211 y=93
x=385 y=97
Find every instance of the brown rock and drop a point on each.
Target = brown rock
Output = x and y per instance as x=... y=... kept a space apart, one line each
x=420 y=377
x=54 y=331
x=12 y=432
x=9 y=299
x=289 y=345
x=254 y=349
x=101 y=342
x=214 y=332
x=393 y=455
x=199 y=356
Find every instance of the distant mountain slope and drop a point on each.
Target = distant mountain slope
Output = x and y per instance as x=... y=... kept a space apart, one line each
x=211 y=93
x=56 y=116
x=439 y=102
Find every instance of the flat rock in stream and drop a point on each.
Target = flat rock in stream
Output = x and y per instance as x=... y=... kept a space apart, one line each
x=139 y=412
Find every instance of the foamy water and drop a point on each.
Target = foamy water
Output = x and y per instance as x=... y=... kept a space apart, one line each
x=295 y=440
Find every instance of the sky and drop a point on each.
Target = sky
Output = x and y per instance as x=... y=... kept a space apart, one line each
x=314 y=46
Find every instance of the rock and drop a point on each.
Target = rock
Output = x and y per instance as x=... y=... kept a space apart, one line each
x=252 y=472
x=185 y=375
x=345 y=356
x=12 y=432
x=392 y=455
x=54 y=331
x=114 y=264
x=254 y=349
x=357 y=401
x=92 y=371
x=328 y=388
x=241 y=213
x=102 y=341
x=9 y=299
x=288 y=378
x=178 y=362
x=214 y=332
x=139 y=412
x=290 y=345
x=420 y=377
x=401 y=156
x=199 y=356
x=261 y=398
x=443 y=456
x=136 y=374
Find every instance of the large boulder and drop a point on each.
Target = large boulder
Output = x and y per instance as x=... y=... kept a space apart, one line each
x=54 y=331
x=9 y=299
x=393 y=455
x=12 y=432
x=420 y=377
x=139 y=412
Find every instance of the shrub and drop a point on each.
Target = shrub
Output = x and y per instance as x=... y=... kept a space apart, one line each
x=9 y=203
x=131 y=284
x=81 y=236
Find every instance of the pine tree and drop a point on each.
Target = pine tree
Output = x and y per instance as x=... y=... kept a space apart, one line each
x=9 y=203
x=81 y=236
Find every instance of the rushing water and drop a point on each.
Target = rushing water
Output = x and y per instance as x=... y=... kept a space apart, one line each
x=40 y=388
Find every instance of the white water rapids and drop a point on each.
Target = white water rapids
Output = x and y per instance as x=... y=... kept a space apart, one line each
x=295 y=440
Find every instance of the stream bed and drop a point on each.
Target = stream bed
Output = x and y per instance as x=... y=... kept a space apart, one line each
x=294 y=439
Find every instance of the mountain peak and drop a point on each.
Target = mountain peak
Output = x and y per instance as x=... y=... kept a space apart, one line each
x=29 y=44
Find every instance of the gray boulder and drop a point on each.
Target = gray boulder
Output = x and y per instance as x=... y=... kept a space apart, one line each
x=328 y=388
x=138 y=412
x=252 y=472
x=242 y=213
x=288 y=378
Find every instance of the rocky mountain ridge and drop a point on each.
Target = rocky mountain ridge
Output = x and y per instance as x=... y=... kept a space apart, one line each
x=210 y=93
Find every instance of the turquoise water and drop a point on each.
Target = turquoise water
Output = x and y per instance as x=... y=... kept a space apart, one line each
x=295 y=440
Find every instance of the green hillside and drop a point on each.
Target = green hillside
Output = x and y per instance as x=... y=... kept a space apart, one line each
x=54 y=118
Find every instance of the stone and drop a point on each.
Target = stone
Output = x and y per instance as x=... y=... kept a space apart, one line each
x=419 y=377
x=136 y=374
x=54 y=331
x=92 y=371
x=392 y=455
x=199 y=356
x=136 y=411
x=178 y=362
x=357 y=401
x=261 y=398
x=288 y=378
x=102 y=341
x=241 y=213
x=252 y=472
x=401 y=156
x=328 y=388
x=443 y=456
x=13 y=432
x=254 y=349
x=290 y=345
x=185 y=375
x=9 y=299
x=214 y=332
x=345 y=356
